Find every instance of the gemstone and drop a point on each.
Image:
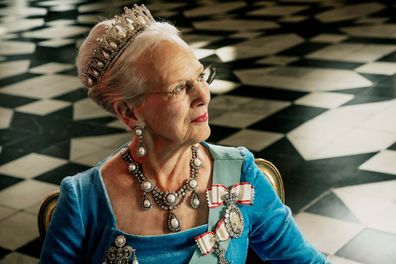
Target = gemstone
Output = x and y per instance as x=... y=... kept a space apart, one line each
x=100 y=64
x=120 y=241
x=193 y=183
x=132 y=167
x=105 y=54
x=113 y=45
x=147 y=186
x=195 y=201
x=146 y=202
x=173 y=222
x=197 y=162
x=171 y=198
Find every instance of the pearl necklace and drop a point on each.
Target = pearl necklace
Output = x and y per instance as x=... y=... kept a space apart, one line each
x=167 y=200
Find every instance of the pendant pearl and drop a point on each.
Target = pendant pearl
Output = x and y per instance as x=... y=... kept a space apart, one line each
x=174 y=223
x=146 y=204
x=196 y=203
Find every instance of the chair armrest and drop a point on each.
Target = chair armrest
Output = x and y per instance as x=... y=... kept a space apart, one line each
x=273 y=175
x=45 y=213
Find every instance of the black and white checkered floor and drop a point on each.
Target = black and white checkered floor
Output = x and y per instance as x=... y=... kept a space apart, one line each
x=307 y=84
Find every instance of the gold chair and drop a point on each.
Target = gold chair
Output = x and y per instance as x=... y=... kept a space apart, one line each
x=273 y=175
x=48 y=206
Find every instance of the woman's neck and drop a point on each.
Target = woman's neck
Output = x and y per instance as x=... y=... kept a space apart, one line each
x=168 y=165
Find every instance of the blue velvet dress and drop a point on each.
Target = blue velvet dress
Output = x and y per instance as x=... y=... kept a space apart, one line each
x=84 y=227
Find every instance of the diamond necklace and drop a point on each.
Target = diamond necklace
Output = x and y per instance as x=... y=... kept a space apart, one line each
x=167 y=200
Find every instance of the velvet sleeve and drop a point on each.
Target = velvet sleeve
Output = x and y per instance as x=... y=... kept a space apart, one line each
x=273 y=233
x=64 y=239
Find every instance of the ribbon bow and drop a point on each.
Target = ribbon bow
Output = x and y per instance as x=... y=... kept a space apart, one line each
x=242 y=192
x=207 y=241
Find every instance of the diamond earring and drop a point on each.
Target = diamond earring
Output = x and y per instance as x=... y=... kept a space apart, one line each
x=141 y=149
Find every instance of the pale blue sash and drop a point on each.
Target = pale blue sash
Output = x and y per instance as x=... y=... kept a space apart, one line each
x=227 y=168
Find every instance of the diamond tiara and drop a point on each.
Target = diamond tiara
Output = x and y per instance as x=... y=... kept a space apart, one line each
x=118 y=36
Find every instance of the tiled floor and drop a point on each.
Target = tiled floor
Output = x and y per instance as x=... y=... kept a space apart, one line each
x=307 y=84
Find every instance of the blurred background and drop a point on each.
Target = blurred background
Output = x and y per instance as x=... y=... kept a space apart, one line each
x=308 y=84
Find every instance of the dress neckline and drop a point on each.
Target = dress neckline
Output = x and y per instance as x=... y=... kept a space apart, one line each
x=110 y=206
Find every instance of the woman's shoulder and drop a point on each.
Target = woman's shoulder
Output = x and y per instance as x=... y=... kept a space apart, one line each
x=226 y=152
x=83 y=181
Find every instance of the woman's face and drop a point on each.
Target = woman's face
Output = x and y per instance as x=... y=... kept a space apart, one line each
x=176 y=120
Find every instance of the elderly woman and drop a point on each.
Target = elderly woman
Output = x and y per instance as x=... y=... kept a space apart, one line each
x=167 y=196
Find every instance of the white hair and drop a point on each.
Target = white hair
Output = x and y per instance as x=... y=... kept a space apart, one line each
x=124 y=81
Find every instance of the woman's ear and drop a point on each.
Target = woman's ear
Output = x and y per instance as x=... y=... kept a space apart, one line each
x=125 y=112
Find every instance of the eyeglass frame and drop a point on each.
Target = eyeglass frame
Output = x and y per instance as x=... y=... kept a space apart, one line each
x=190 y=84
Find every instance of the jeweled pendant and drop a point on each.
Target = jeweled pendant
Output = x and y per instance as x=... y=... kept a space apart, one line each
x=173 y=223
x=195 y=200
x=234 y=221
x=146 y=203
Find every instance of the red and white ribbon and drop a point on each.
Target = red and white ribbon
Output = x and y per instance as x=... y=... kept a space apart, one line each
x=206 y=241
x=243 y=190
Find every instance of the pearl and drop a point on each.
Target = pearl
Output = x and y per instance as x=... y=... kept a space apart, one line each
x=171 y=198
x=147 y=186
x=174 y=223
x=197 y=162
x=147 y=204
x=195 y=203
x=193 y=183
x=132 y=167
x=141 y=151
x=138 y=131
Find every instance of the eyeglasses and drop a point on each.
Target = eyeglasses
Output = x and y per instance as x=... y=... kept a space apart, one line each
x=185 y=87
